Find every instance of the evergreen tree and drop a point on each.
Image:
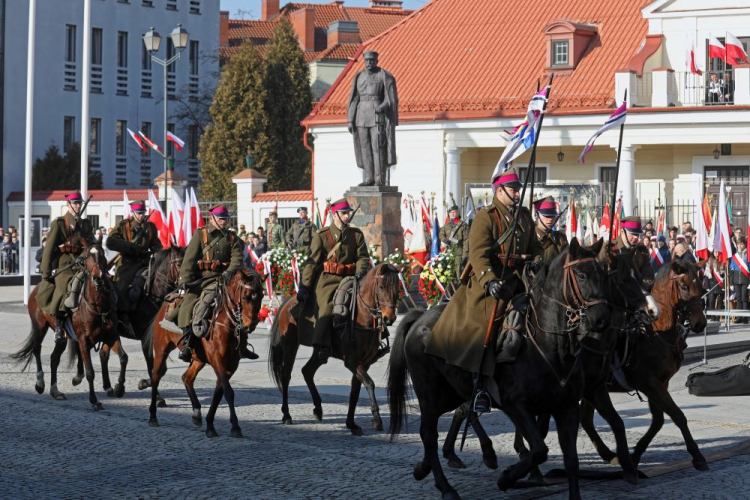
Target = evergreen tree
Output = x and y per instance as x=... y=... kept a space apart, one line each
x=55 y=171
x=288 y=102
x=239 y=125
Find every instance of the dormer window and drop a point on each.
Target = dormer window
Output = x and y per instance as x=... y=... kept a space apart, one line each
x=560 y=53
x=567 y=42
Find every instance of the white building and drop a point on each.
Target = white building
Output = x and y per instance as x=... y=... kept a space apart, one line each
x=126 y=87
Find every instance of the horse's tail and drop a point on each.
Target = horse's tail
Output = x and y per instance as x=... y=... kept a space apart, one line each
x=276 y=350
x=398 y=372
x=26 y=354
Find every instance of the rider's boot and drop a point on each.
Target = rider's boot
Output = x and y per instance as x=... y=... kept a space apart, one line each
x=246 y=353
x=60 y=328
x=384 y=349
x=186 y=353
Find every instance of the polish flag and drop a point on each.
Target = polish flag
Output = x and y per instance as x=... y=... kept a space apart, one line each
x=178 y=143
x=150 y=142
x=716 y=49
x=176 y=210
x=694 y=67
x=137 y=138
x=701 y=238
x=725 y=248
x=186 y=224
x=197 y=218
x=735 y=51
x=125 y=205
x=156 y=215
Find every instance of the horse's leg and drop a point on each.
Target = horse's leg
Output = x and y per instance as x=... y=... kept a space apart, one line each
x=489 y=458
x=149 y=356
x=223 y=377
x=542 y=421
x=660 y=398
x=428 y=432
x=157 y=372
x=529 y=429
x=123 y=356
x=308 y=371
x=353 y=399
x=53 y=364
x=587 y=422
x=218 y=393
x=104 y=358
x=606 y=409
x=567 y=421
x=449 y=445
x=86 y=355
x=289 y=346
x=377 y=422
x=188 y=378
x=79 y=376
x=39 y=386
x=657 y=421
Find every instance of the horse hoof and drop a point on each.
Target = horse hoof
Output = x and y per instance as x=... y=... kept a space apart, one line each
x=160 y=403
x=614 y=461
x=356 y=430
x=97 y=406
x=504 y=482
x=198 y=421
x=235 y=433
x=701 y=466
x=77 y=379
x=286 y=421
x=451 y=495
x=636 y=459
x=57 y=394
x=535 y=476
x=211 y=433
x=153 y=422
x=110 y=392
x=39 y=388
x=630 y=477
x=377 y=424
x=490 y=461
x=143 y=384
x=456 y=463
x=119 y=390
x=420 y=472
x=318 y=412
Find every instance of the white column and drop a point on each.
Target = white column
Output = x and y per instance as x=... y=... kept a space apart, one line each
x=453 y=174
x=626 y=180
x=26 y=229
x=742 y=84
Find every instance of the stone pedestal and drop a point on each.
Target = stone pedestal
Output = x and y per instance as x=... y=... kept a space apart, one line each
x=379 y=216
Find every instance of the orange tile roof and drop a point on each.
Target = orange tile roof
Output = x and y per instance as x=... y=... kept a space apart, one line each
x=284 y=196
x=98 y=195
x=339 y=52
x=471 y=58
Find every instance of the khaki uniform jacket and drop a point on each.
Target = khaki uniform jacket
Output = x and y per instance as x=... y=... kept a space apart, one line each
x=460 y=239
x=647 y=270
x=275 y=236
x=350 y=248
x=549 y=244
x=132 y=239
x=228 y=250
x=459 y=334
x=300 y=235
x=63 y=230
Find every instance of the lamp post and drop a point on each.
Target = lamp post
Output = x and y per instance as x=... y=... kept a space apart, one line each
x=152 y=41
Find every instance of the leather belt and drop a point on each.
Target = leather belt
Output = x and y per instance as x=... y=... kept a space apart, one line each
x=513 y=259
x=339 y=269
x=212 y=265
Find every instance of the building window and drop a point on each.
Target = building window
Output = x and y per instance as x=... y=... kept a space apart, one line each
x=70 y=43
x=96 y=46
x=69 y=132
x=147 y=3
x=540 y=174
x=120 y=130
x=560 y=53
x=193 y=142
x=146 y=129
x=170 y=144
x=194 y=52
x=122 y=49
x=95 y=134
x=195 y=6
x=171 y=4
x=145 y=58
x=170 y=54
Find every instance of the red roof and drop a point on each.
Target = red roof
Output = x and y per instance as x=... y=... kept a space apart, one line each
x=284 y=196
x=339 y=52
x=457 y=59
x=98 y=195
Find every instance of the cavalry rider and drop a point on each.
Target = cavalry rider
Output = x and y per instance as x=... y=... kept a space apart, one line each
x=630 y=231
x=300 y=235
x=546 y=216
x=455 y=235
x=61 y=252
x=275 y=232
x=337 y=251
x=136 y=239
x=458 y=335
x=213 y=252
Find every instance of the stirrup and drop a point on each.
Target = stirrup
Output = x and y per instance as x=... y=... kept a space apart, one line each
x=481 y=402
x=382 y=351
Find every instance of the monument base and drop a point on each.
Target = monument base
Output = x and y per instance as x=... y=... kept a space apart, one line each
x=379 y=217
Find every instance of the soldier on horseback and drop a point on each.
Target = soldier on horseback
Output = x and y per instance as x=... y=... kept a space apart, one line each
x=546 y=216
x=458 y=336
x=60 y=288
x=455 y=235
x=213 y=253
x=300 y=235
x=136 y=239
x=630 y=230
x=336 y=252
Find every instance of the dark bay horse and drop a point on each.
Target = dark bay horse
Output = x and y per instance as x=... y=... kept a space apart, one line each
x=566 y=304
x=377 y=304
x=234 y=317
x=162 y=279
x=94 y=321
x=658 y=355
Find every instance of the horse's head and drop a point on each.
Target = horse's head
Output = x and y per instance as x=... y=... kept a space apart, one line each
x=380 y=290
x=165 y=271
x=95 y=260
x=245 y=293
x=681 y=288
x=624 y=283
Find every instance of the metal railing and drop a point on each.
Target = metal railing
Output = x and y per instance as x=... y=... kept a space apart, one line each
x=687 y=89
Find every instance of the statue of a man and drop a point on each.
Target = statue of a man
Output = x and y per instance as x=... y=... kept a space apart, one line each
x=373 y=116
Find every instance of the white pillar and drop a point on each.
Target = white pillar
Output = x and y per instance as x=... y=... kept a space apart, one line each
x=26 y=229
x=661 y=95
x=453 y=174
x=626 y=180
x=625 y=80
x=742 y=84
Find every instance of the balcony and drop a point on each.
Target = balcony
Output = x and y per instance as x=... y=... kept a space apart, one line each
x=664 y=87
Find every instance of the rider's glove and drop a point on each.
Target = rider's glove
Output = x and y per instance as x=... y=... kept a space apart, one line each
x=496 y=288
x=533 y=266
x=302 y=293
x=359 y=276
x=80 y=261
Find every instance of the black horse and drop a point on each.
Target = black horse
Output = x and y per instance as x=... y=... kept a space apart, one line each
x=566 y=305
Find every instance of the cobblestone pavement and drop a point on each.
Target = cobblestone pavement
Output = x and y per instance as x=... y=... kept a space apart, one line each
x=62 y=449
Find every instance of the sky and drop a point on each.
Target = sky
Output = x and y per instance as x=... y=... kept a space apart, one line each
x=254 y=5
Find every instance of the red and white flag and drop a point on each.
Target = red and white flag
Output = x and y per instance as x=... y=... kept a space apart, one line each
x=725 y=248
x=197 y=217
x=178 y=143
x=186 y=224
x=716 y=49
x=157 y=217
x=176 y=210
x=137 y=138
x=149 y=142
x=701 y=238
x=571 y=228
x=426 y=216
x=735 y=51
x=604 y=223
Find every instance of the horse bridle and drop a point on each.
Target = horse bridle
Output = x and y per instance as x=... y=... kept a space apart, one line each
x=163 y=277
x=683 y=305
x=375 y=311
x=233 y=308
x=100 y=283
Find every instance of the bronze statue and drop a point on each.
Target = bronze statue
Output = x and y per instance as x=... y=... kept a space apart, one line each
x=373 y=116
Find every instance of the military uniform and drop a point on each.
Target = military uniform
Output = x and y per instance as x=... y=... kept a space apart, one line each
x=458 y=336
x=275 y=235
x=334 y=255
x=550 y=240
x=64 y=244
x=455 y=235
x=632 y=225
x=300 y=235
x=135 y=241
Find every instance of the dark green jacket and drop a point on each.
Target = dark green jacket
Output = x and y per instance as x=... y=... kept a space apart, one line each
x=300 y=235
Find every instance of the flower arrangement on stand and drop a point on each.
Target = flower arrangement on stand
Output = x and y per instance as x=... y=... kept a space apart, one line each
x=403 y=264
x=440 y=268
x=282 y=277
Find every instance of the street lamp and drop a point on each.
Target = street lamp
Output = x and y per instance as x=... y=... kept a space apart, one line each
x=717 y=153
x=152 y=42
x=560 y=155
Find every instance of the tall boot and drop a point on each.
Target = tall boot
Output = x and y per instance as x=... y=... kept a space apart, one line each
x=60 y=328
x=186 y=353
x=71 y=300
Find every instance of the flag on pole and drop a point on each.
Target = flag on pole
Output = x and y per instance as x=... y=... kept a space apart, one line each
x=157 y=217
x=137 y=138
x=426 y=216
x=176 y=210
x=725 y=247
x=701 y=238
x=735 y=51
x=619 y=214
x=604 y=222
x=149 y=142
x=615 y=120
x=589 y=234
x=178 y=143
x=579 y=229
x=196 y=215
x=660 y=226
x=717 y=49
x=729 y=212
x=571 y=228
x=435 y=248
x=125 y=205
x=186 y=224
x=713 y=237
x=706 y=210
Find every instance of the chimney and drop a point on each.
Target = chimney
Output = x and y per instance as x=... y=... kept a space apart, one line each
x=386 y=4
x=303 y=22
x=343 y=32
x=224 y=28
x=269 y=9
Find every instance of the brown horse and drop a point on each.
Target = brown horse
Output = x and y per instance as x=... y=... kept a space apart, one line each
x=234 y=317
x=376 y=305
x=94 y=321
x=657 y=356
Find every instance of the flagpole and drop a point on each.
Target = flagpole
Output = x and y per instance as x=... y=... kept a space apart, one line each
x=617 y=169
x=26 y=230
x=85 y=93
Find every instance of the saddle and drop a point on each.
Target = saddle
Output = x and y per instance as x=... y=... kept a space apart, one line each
x=510 y=339
x=173 y=300
x=343 y=302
